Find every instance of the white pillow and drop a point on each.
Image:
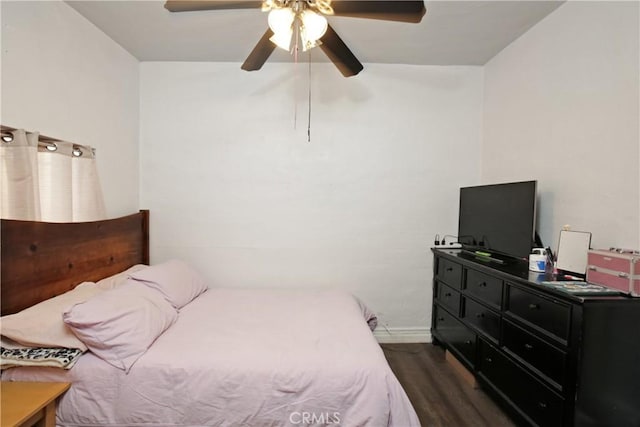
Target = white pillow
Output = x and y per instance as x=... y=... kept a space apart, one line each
x=177 y=281
x=41 y=325
x=119 y=278
x=119 y=325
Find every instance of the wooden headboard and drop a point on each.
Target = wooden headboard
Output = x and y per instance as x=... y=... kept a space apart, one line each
x=43 y=259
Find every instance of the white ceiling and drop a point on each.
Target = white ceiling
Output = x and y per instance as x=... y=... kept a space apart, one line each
x=451 y=33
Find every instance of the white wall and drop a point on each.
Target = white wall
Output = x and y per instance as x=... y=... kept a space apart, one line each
x=561 y=106
x=235 y=190
x=63 y=77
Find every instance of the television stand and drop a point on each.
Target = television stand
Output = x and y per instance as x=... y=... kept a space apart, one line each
x=550 y=357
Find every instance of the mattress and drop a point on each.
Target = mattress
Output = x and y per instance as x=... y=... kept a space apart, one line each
x=240 y=357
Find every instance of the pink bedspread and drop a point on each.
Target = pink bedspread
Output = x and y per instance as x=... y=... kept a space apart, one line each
x=244 y=358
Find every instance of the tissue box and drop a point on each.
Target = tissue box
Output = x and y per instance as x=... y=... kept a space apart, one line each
x=615 y=269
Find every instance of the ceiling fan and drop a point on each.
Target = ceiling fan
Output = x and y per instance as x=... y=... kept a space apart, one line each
x=295 y=24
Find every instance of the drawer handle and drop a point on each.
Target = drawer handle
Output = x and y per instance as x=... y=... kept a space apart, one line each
x=593 y=268
x=469 y=342
x=528 y=346
x=479 y=315
x=449 y=269
x=623 y=275
x=542 y=405
x=448 y=294
x=482 y=284
x=440 y=319
x=534 y=306
x=488 y=359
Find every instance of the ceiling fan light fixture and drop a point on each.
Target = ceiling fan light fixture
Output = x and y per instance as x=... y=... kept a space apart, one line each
x=281 y=23
x=281 y=20
x=282 y=39
x=313 y=27
x=310 y=24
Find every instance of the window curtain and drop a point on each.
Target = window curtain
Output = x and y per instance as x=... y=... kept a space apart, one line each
x=48 y=180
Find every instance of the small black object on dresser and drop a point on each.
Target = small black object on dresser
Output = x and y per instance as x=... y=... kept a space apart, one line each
x=550 y=358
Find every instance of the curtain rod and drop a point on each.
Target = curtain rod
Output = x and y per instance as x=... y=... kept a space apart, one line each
x=46 y=141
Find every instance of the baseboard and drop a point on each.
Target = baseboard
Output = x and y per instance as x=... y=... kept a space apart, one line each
x=402 y=335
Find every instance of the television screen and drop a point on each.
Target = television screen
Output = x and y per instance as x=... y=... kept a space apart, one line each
x=499 y=218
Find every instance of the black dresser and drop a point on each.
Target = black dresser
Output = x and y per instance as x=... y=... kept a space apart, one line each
x=548 y=357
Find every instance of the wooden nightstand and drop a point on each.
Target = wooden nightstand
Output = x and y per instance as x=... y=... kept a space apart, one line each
x=29 y=403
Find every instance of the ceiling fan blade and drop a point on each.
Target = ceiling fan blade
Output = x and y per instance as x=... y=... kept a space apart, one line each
x=192 y=5
x=338 y=52
x=260 y=53
x=387 y=10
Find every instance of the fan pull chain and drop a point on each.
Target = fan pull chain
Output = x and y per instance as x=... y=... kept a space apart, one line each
x=295 y=96
x=309 y=117
x=295 y=80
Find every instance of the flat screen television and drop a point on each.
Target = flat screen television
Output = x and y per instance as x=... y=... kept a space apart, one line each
x=499 y=218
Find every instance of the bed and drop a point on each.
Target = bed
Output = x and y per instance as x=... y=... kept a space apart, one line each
x=230 y=357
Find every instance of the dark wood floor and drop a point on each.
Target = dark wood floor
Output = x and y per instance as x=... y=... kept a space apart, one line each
x=438 y=394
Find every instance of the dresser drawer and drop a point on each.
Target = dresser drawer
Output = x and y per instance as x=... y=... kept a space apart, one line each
x=482 y=318
x=486 y=288
x=449 y=297
x=450 y=273
x=541 y=404
x=547 y=314
x=457 y=335
x=547 y=359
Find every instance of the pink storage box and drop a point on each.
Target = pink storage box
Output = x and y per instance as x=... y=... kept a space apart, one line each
x=615 y=269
